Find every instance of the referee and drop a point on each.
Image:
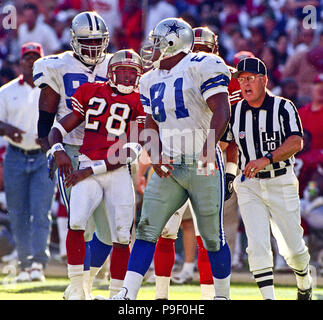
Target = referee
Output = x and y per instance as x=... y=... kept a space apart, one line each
x=268 y=132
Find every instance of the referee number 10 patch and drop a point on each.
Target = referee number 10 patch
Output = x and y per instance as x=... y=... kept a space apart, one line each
x=270 y=140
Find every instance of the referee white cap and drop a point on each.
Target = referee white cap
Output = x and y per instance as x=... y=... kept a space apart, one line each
x=252 y=65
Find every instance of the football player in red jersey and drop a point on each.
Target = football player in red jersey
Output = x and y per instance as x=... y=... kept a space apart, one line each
x=112 y=111
x=204 y=40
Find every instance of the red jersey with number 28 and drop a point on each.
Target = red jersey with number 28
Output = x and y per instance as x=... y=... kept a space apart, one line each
x=105 y=114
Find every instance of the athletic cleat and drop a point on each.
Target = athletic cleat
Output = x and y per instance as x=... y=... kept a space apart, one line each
x=66 y=293
x=221 y=298
x=182 y=277
x=151 y=278
x=76 y=293
x=37 y=273
x=122 y=295
x=99 y=297
x=23 y=276
x=304 y=294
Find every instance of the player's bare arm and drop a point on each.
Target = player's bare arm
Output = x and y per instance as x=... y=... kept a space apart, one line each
x=77 y=176
x=143 y=164
x=163 y=169
x=291 y=146
x=55 y=138
x=220 y=106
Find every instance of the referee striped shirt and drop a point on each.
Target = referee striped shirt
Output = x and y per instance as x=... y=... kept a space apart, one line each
x=258 y=131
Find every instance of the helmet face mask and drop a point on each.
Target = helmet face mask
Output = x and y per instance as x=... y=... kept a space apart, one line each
x=169 y=37
x=89 y=37
x=124 y=71
x=153 y=50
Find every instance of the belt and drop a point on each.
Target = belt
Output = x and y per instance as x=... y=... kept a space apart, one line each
x=271 y=173
x=26 y=152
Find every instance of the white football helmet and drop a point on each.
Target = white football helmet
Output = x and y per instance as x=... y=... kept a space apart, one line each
x=87 y=26
x=206 y=37
x=170 y=36
x=126 y=80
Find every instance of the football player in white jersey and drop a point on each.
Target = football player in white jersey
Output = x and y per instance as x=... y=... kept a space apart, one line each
x=186 y=100
x=204 y=41
x=59 y=76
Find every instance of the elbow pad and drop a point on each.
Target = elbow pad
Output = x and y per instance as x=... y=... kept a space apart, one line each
x=45 y=122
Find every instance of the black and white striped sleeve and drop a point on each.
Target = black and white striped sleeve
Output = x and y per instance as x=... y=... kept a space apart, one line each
x=289 y=118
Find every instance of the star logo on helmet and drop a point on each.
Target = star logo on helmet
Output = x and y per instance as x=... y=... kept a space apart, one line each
x=173 y=28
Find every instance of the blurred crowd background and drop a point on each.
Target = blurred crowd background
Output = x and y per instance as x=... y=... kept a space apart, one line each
x=281 y=32
x=286 y=34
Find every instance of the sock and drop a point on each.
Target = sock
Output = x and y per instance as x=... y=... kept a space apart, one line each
x=75 y=274
x=265 y=281
x=74 y=270
x=132 y=282
x=87 y=258
x=162 y=287
x=164 y=257
x=203 y=264
x=115 y=286
x=303 y=279
x=75 y=247
x=207 y=291
x=119 y=262
x=141 y=256
x=99 y=252
x=87 y=285
x=221 y=269
x=62 y=233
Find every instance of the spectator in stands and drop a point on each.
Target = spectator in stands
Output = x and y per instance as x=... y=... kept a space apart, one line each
x=111 y=11
x=255 y=8
x=281 y=45
x=257 y=39
x=130 y=33
x=34 y=29
x=157 y=11
x=289 y=89
x=304 y=66
x=270 y=57
x=304 y=40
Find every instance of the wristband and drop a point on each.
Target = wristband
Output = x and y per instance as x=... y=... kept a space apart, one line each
x=135 y=147
x=231 y=167
x=48 y=153
x=60 y=128
x=56 y=147
x=99 y=167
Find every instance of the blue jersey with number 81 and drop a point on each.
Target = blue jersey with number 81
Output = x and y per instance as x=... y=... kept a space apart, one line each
x=176 y=99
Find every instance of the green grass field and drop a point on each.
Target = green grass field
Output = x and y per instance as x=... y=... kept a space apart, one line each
x=54 y=287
